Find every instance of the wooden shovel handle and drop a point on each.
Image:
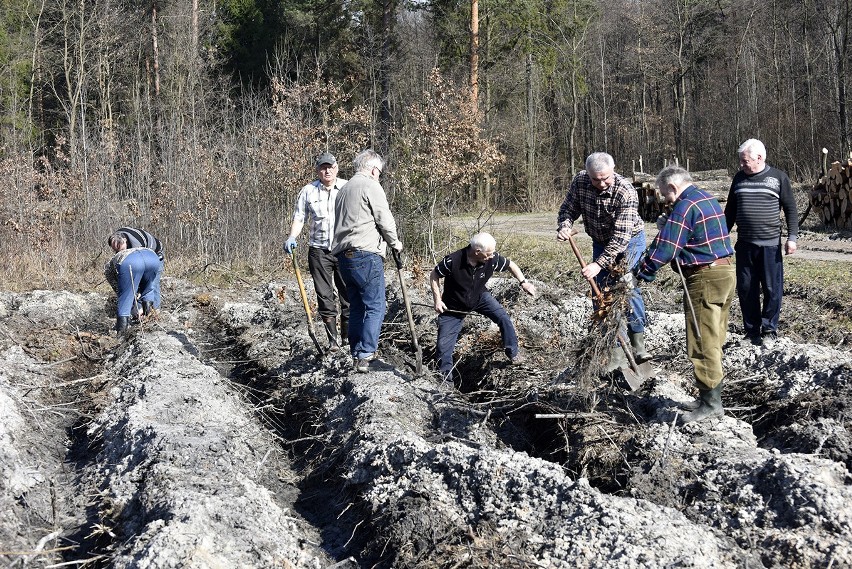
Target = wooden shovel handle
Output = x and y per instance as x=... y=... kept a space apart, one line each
x=595 y=288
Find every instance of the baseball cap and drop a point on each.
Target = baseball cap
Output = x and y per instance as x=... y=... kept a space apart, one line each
x=325 y=158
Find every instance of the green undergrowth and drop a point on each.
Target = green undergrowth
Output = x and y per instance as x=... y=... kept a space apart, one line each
x=818 y=301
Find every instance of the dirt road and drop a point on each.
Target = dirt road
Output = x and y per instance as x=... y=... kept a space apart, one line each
x=813 y=246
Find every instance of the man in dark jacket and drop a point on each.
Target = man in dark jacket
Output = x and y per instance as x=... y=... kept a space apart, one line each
x=466 y=272
x=141 y=238
x=759 y=192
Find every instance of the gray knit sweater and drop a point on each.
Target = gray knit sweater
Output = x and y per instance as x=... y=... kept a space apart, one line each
x=754 y=205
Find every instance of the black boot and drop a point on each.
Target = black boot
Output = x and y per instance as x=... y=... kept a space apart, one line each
x=331 y=331
x=121 y=324
x=147 y=307
x=709 y=406
x=344 y=330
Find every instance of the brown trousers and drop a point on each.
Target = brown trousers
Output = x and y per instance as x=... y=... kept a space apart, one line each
x=711 y=290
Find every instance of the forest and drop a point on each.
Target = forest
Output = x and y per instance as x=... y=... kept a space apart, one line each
x=199 y=119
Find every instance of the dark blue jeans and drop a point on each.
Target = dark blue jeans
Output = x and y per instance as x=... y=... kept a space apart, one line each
x=364 y=276
x=450 y=325
x=139 y=271
x=636 y=318
x=760 y=269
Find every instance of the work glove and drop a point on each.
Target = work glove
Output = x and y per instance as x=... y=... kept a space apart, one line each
x=397 y=257
x=629 y=279
x=662 y=220
x=290 y=244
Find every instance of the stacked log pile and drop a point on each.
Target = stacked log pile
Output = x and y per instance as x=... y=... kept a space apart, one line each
x=831 y=196
x=717 y=182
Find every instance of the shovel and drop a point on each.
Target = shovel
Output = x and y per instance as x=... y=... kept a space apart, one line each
x=418 y=352
x=311 y=330
x=635 y=374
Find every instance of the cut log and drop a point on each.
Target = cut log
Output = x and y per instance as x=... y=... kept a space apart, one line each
x=831 y=196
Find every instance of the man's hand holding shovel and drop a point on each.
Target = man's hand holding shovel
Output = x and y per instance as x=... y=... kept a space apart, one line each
x=564 y=233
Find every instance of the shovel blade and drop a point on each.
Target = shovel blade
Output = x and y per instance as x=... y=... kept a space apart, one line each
x=313 y=336
x=633 y=379
x=419 y=361
x=646 y=370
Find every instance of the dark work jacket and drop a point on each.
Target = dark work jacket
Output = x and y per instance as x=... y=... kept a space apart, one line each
x=464 y=283
x=141 y=238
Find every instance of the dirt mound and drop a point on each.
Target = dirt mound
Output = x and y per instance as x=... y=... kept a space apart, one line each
x=187 y=475
x=216 y=437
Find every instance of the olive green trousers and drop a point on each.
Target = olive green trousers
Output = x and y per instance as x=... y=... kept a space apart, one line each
x=711 y=291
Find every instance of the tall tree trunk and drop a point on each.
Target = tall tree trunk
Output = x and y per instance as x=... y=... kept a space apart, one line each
x=474 y=83
x=778 y=89
x=809 y=82
x=194 y=24
x=840 y=43
x=575 y=120
x=74 y=68
x=680 y=100
x=388 y=14
x=36 y=72
x=155 y=49
x=645 y=133
x=485 y=197
x=605 y=121
x=474 y=56
x=530 y=139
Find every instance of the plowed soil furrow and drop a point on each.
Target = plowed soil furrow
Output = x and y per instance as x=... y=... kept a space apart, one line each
x=215 y=437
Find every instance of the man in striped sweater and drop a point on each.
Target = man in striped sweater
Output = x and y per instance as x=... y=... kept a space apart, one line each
x=759 y=192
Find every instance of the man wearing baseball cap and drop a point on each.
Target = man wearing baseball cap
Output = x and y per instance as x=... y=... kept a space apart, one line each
x=315 y=205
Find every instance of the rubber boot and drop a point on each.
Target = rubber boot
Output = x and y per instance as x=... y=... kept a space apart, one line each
x=691 y=405
x=344 y=330
x=710 y=406
x=121 y=324
x=617 y=359
x=147 y=307
x=331 y=331
x=637 y=340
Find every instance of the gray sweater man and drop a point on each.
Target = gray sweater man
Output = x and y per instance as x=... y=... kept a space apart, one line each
x=363 y=228
x=759 y=193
